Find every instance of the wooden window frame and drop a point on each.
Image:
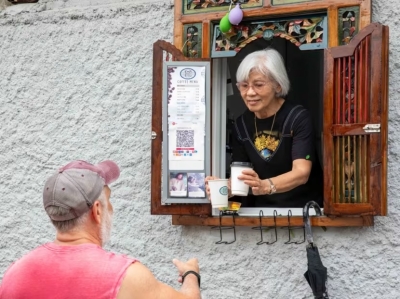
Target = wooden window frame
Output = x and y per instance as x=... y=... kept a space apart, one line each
x=200 y=214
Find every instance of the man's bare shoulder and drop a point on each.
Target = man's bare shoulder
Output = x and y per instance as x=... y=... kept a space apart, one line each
x=136 y=274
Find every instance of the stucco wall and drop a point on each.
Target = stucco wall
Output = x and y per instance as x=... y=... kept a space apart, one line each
x=75 y=83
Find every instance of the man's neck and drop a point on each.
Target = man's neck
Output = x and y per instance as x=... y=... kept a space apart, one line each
x=76 y=238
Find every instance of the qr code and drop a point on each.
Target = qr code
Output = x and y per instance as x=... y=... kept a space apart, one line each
x=185 y=138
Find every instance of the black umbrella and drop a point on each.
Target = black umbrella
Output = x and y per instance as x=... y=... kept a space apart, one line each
x=316 y=274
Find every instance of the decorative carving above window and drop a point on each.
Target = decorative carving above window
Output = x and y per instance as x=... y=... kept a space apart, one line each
x=192 y=42
x=201 y=6
x=348 y=23
x=282 y=2
x=306 y=33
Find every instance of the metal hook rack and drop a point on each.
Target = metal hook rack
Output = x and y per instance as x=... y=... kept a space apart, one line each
x=260 y=227
x=292 y=228
x=232 y=213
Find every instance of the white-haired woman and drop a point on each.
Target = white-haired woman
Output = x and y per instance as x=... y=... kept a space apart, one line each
x=276 y=137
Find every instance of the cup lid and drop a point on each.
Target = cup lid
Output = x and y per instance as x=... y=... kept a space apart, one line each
x=245 y=164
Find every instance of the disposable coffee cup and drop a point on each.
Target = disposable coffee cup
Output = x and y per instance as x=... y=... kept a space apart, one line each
x=238 y=187
x=219 y=193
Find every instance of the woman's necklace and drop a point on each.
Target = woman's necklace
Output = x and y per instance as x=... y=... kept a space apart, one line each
x=264 y=141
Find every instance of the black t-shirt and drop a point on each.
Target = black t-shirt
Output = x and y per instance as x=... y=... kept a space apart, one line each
x=279 y=140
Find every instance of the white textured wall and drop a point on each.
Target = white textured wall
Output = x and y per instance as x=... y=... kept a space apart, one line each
x=75 y=83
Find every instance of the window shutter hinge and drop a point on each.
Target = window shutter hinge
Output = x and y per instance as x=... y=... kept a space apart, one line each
x=153 y=135
x=372 y=128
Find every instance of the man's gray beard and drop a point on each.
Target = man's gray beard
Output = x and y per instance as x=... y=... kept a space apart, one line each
x=106 y=225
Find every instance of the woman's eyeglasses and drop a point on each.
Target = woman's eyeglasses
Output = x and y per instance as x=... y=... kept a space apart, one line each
x=257 y=87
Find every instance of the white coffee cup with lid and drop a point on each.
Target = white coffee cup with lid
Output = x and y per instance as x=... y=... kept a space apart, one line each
x=219 y=193
x=238 y=187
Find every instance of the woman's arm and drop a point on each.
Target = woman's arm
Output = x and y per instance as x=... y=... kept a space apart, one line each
x=283 y=183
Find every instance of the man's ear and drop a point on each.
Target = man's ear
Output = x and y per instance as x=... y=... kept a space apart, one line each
x=97 y=211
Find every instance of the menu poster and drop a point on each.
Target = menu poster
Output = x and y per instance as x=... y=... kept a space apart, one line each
x=186 y=117
x=186 y=131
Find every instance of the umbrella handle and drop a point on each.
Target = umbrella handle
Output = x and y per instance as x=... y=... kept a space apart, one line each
x=306 y=219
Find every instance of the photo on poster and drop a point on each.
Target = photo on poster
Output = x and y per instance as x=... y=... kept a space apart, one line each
x=178 y=184
x=196 y=185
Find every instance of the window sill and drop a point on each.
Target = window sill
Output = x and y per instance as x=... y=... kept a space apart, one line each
x=367 y=220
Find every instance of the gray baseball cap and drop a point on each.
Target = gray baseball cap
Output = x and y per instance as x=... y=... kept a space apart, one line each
x=77 y=185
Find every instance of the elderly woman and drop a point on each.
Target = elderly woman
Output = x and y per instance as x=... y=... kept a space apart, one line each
x=277 y=138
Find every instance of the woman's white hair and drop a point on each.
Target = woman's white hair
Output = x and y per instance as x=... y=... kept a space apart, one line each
x=267 y=62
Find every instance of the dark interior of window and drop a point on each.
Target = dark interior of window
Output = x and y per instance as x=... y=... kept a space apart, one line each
x=305 y=71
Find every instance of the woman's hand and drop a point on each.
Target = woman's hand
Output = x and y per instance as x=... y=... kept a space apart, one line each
x=257 y=185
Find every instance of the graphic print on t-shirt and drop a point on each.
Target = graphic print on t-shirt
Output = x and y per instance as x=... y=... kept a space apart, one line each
x=266 y=143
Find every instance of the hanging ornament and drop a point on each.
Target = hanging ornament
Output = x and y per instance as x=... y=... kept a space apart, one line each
x=236 y=15
x=232 y=32
x=224 y=24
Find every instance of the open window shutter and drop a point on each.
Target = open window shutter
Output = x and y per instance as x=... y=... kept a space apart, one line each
x=157 y=208
x=356 y=124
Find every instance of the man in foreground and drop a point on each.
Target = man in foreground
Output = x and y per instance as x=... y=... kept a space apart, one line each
x=77 y=200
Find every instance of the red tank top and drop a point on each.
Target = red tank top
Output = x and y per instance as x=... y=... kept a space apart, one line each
x=59 y=272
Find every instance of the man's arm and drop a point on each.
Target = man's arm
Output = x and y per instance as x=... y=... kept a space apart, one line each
x=139 y=282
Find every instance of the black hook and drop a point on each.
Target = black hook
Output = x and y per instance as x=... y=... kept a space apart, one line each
x=291 y=228
x=306 y=219
x=226 y=213
x=260 y=227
